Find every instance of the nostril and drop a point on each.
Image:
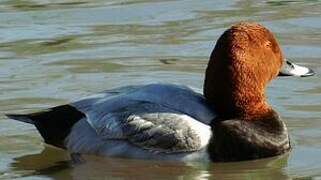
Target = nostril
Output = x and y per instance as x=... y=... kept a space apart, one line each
x=290 y=64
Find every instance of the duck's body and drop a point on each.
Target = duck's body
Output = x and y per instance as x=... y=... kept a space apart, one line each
x=158 y=121
x=121 y=122
x=231 y=122
x=155 y=121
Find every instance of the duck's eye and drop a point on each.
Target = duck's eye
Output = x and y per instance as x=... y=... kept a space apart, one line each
x=268 y=44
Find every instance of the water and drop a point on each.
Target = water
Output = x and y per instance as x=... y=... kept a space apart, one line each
x=55 y=51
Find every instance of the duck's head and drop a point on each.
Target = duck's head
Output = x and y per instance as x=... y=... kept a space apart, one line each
x=246 y=57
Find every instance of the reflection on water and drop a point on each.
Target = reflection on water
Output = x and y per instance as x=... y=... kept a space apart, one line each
x=48 y=162
x=53 y=52
x=55 y=164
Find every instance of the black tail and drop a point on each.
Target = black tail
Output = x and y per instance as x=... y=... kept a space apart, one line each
x=21 y=117
x=53 y=124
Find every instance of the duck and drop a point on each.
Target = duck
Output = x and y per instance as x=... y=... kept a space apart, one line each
x=229 y=121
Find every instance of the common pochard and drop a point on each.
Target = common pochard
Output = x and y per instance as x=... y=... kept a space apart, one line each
x=230 y=121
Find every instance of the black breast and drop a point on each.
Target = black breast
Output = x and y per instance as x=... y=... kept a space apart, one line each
x=238 y=140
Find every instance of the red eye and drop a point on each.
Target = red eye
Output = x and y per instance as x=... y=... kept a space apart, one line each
x=268 y=44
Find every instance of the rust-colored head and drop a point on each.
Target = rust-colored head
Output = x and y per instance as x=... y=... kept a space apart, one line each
x=246 y=57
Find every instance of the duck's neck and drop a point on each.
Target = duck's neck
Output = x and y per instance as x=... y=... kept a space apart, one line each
x=229 y=105
x=235 y=95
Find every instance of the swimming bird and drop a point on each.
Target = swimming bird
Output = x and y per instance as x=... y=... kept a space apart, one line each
x=230 y=121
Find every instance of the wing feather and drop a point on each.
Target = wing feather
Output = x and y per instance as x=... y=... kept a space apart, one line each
x=159 y=118
x=152 y=127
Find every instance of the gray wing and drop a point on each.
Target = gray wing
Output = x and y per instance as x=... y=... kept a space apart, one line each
x=159 y=117
x=153 y=127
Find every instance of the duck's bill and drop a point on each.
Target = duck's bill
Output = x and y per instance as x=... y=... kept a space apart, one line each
x=290 y=69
